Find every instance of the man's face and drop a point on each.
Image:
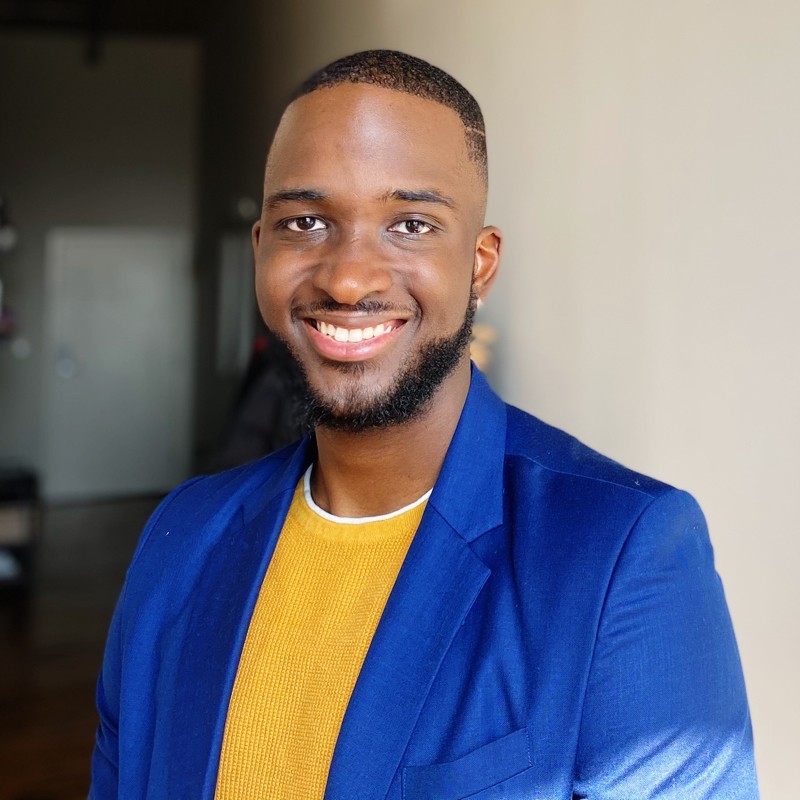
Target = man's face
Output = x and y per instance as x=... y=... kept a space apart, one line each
x=369 y=246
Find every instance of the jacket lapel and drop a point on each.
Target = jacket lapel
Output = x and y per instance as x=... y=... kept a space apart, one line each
x=219 y=620
x=436 y=587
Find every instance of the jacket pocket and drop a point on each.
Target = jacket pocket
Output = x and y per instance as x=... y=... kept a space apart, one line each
x=479 y=770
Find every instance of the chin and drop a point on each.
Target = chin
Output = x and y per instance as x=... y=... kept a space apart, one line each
x=362 y=405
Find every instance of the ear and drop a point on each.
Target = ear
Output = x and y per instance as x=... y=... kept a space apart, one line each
x=487 y=260
x=256 y=235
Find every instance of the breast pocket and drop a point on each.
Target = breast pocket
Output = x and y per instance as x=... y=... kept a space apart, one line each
x=475 y=774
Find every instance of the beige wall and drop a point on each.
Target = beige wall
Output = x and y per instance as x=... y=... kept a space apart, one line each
x=646 y=171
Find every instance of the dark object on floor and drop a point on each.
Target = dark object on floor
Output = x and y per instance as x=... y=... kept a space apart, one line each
x=19 y=523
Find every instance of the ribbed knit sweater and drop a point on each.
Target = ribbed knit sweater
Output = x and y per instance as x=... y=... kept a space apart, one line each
x=317 y=610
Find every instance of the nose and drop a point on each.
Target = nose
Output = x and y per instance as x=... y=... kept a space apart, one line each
x=352 y=270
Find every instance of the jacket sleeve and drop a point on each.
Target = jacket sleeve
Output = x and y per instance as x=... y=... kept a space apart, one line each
x=107 y=762
x=665 y=715
x=105 y=758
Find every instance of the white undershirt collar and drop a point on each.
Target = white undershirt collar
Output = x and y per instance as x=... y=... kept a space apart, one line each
x=353 y=520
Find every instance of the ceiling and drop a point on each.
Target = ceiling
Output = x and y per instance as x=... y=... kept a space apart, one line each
x=96 y=17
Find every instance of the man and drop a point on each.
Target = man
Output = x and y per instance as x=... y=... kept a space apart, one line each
x=434 y=595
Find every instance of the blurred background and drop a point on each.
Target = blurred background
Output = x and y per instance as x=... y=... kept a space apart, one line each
x=644 y=167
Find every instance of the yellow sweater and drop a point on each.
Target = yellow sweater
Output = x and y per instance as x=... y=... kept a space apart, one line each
x=318 y=608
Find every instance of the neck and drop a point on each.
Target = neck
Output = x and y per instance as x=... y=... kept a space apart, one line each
x=378 y=471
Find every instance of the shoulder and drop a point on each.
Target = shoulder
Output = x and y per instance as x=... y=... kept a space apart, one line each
x=590 y=510
x=532 y=444
x=199 y=500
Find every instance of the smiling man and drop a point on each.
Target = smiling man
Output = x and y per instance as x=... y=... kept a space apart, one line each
x=433 y=595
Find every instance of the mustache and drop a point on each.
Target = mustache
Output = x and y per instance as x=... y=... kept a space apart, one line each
x=361 y=307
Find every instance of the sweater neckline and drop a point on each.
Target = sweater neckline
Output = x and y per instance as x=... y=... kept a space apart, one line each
x=354 y=520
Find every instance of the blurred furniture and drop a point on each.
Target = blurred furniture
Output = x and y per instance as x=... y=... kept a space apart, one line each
x=19 y=500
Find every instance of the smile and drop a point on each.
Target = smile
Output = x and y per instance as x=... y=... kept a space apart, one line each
x=340 y=334
x=350 y=343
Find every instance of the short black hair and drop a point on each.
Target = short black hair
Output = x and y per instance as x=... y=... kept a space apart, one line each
x=392 y=69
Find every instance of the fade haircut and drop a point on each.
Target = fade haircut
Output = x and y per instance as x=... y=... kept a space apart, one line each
x=391 y=69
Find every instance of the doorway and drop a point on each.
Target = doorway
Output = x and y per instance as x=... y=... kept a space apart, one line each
x=118 y=362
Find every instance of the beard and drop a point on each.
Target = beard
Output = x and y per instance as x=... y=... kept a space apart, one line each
x=405 y=399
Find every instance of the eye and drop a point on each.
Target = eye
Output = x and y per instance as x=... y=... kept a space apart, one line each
x=304 y=224
x=412 y=227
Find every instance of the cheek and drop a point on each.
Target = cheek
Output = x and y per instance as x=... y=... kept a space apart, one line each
x=442 y=286
x=272 y=292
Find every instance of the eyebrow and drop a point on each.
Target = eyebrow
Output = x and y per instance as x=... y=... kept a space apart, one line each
x=292 y=196
x=278 y=198
x=419 y=196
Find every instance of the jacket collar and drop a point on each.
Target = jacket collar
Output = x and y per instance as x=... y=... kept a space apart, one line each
x=469 y=490
x=439 y=581
x=246 y=529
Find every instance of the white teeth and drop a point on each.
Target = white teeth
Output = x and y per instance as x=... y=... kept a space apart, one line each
x=353 y=334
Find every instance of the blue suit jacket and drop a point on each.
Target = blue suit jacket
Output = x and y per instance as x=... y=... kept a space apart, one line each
x=557 y=631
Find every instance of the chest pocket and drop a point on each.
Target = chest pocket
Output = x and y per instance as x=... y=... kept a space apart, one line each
x=483 y=769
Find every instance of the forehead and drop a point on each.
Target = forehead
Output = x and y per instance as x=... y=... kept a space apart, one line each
x=362 y=137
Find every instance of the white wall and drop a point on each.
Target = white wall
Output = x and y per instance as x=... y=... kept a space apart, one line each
x=645 y=168
x=110 y=144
